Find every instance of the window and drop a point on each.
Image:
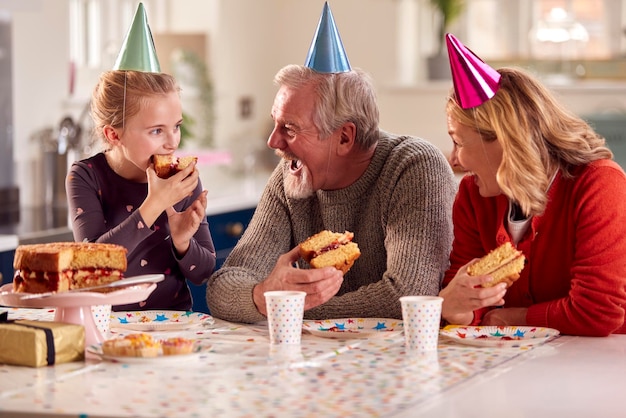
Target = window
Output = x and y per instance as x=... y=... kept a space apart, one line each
x=85 y=33
x=602 y=20
x=97 y=28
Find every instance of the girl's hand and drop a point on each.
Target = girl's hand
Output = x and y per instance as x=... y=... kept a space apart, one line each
x=165 y=193
x=183 y=225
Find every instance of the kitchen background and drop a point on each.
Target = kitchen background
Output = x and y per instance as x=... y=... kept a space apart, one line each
x=225 y=54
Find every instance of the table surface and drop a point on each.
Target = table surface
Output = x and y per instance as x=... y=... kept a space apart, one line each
x=239 y=374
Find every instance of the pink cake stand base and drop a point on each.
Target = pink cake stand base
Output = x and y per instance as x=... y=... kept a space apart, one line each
x=75 y=308
x=81 y=315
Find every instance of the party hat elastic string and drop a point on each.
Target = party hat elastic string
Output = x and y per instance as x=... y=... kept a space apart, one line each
x=124 y=103
x=138 y=52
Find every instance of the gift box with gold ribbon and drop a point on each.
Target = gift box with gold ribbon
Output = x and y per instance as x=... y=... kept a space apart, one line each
x=40 y=343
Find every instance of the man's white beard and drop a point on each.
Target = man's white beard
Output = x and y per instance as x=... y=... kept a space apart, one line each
x=299 y=187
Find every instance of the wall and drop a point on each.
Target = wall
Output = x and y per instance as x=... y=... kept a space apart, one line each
x=248 y=41
x=251 y=40
x=40 y=81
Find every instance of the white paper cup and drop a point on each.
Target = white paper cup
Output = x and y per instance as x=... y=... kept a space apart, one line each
x=285 y=311
x=421 y=317
x=102 y=318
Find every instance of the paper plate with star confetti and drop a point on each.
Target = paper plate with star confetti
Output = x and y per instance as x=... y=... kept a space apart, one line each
x=159 y=320
x=495 y=336
x=352 y=327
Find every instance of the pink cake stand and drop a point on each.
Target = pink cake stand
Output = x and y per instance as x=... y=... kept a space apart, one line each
x=75 y=308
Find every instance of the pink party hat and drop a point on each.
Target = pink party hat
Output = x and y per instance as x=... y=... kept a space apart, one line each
x=474 y=81
x=326 y=53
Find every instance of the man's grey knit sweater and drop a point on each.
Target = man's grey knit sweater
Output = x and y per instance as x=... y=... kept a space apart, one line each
x=400 y=213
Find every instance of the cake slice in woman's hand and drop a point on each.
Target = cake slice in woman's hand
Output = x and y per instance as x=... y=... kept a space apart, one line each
x=503 y=264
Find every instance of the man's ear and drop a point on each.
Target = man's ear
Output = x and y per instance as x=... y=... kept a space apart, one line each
x=347 y=138
x=110 y=134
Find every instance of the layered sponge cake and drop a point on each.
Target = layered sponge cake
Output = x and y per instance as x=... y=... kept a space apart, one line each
x=167 y=165
x=328 y=248
x=61 y=266
x=503 y=264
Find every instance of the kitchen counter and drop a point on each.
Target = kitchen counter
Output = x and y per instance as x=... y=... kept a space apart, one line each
x=228 y=192
x=38 y=224
x=398 y=106
x=8 y=242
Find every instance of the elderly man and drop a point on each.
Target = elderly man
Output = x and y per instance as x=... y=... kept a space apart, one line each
x=340 y=172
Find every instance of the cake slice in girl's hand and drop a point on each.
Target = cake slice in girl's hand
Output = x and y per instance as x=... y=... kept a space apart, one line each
x=166 y=165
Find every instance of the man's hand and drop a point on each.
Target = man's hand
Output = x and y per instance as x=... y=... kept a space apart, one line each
x=319 y=284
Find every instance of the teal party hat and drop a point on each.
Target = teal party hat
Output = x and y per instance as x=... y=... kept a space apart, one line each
x=326 y=54
x=138 y=52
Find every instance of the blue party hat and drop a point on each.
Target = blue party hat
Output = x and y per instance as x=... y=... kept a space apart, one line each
x=138 y=52
x=326 y=54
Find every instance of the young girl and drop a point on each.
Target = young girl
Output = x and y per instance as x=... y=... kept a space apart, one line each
x=116 y=197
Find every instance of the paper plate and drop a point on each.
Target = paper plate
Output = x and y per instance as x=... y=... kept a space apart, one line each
x=196 y=354
x=494 y=336
x=159 y=320
x=352 y=327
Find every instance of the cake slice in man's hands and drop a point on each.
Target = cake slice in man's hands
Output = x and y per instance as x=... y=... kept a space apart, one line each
x=166 y=165
x=503 y=264
x=328 y=248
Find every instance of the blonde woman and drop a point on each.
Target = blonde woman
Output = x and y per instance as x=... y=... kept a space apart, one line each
x=540 y=178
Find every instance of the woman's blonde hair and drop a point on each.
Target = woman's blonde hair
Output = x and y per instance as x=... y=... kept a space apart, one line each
x=119 y=95
x=537 y=134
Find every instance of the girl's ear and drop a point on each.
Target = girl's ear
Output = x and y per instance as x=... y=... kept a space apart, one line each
x=110 y=134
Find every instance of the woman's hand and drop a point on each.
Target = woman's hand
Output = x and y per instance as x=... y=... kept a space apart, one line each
x=505 y=317
x=464 y=294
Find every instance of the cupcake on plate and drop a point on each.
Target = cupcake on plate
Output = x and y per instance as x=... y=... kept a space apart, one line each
x=176 y=345
x=133 y=345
